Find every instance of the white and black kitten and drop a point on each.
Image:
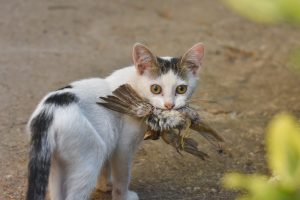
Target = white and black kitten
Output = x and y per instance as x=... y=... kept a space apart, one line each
x=75 y=143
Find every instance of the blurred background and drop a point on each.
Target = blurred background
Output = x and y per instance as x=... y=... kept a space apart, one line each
x=247 y=71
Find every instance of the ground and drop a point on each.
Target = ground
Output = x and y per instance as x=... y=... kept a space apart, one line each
x=47 y=44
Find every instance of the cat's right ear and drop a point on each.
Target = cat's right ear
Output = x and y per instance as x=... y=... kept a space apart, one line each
x=142 y=57
x=192 y=59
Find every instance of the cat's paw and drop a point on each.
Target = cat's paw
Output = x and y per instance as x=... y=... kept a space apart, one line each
x=105 y=186
x=117 y=194
x=131 y=195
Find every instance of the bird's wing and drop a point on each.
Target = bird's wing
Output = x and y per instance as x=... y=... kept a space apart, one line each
x=125 y=100
x=201 y=127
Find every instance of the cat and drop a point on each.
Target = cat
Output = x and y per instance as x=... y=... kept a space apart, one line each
x=77 y=145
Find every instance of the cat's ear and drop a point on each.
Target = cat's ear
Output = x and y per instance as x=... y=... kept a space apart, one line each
x=142 y=57
x=192 y=59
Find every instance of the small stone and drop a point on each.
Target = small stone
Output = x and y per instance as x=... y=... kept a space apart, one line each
x=8 y=177
x=199 y=173
x=196 y=188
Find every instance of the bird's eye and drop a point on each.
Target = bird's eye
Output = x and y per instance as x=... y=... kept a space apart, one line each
x=181 y=89
x=155 y=89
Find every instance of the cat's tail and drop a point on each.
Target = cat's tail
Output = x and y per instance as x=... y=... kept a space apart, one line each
x=40 y=155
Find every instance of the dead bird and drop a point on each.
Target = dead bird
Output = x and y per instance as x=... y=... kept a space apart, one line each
x=171 y=125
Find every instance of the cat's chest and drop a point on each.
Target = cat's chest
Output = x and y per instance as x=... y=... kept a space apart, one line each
x=133 y=123
x=133 y=127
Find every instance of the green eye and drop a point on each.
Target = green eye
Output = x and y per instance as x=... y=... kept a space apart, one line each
x=155 y=89
x=181 y=89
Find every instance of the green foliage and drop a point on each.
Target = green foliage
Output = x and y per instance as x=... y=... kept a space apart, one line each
x=283 y=153
x=283 y=135
x=270 y=11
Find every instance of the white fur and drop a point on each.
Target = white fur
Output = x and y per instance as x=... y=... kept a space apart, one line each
x=83 y=136
x=86 y=137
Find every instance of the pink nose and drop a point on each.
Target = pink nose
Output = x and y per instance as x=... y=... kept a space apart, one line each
x=169 y=106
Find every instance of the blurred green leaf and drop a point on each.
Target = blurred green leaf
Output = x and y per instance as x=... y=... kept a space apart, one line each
x=258 y=187
x=283 y=151
x=283 y=135
x=269 y=11
x=283 y=148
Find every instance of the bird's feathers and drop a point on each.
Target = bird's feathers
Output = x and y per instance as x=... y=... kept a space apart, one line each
x=163 y=123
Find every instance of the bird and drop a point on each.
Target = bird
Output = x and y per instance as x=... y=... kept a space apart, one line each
x=173 y=126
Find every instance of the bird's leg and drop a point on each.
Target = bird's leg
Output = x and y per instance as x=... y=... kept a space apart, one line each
x=184 y=133
x=151 y=134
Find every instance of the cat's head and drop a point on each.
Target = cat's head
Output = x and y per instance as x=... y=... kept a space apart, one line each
x=167 y=82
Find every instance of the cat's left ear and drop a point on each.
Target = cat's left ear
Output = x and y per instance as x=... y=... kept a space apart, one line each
x=192 y=59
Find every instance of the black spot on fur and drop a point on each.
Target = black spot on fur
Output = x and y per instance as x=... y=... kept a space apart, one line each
x=40 y=156
x=66 y=87
x=166 y=65
x=62 y=99
x=152 y=120
x=40 y=124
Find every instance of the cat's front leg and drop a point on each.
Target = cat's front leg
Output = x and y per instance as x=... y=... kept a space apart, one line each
x=104 y=180
x=121 y=165
x=121 y=162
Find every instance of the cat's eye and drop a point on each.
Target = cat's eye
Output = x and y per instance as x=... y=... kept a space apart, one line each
x=155 y=89
x=181 y=89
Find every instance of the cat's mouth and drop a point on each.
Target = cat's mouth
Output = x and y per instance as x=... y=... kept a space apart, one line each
x=174 y=107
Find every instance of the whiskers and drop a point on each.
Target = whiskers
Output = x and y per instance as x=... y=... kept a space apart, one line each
x=198 y=99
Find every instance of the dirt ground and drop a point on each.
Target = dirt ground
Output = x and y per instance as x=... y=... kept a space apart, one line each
x=46 y=44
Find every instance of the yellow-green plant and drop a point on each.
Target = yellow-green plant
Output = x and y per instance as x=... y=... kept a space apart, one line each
x=283 y=135
x=283 y=154
x=268 y=10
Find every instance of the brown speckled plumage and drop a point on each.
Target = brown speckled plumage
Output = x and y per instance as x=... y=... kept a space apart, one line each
x=171 y=125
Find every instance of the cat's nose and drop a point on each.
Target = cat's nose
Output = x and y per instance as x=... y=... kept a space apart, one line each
x=169 y=106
